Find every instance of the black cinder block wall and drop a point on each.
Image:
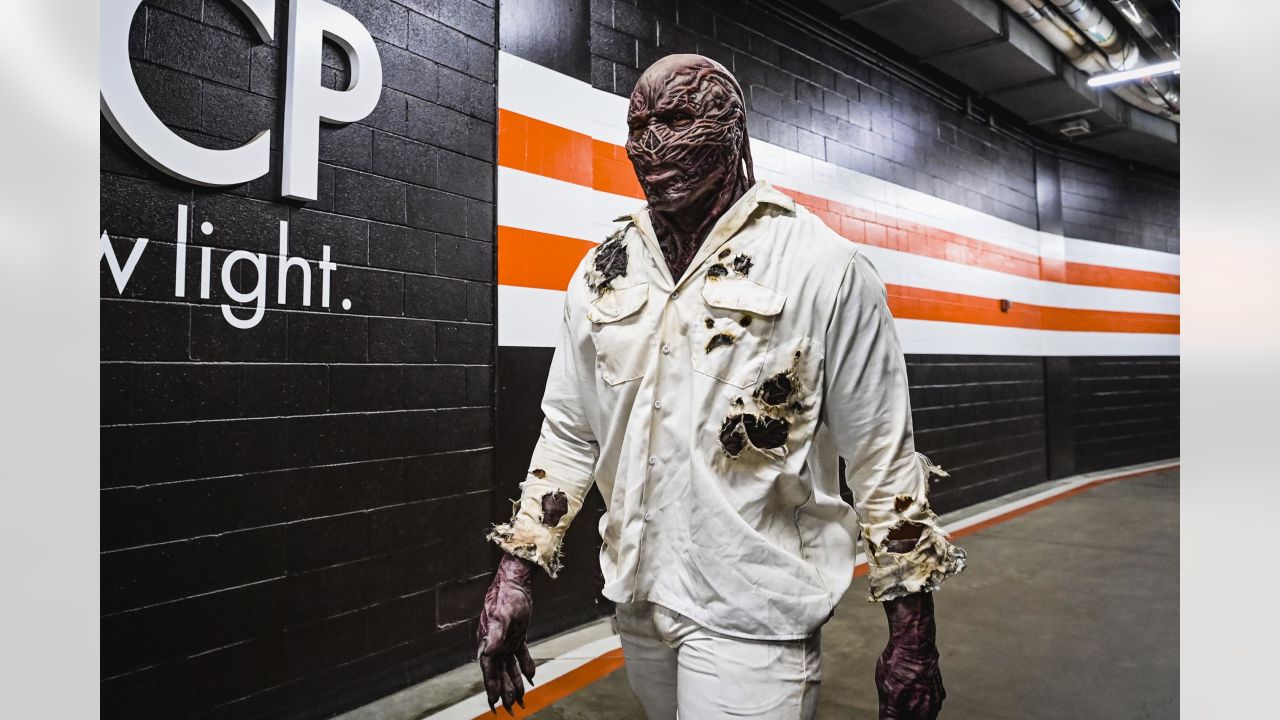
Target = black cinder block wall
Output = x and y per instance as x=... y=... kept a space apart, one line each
x=293 y=514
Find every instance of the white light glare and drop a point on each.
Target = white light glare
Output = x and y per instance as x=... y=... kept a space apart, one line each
x=1164 y=68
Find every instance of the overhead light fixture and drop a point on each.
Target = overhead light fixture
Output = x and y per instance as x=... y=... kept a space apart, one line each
x=1146 y=71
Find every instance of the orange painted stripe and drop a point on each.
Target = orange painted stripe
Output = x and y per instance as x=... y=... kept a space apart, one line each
x=588 y=673
x=542 y=148
x=538 y=147
x=528 y=258
x=1103 y=276
x=611 y=171
x=880 y=230
x=911 y=303
x=541 y=696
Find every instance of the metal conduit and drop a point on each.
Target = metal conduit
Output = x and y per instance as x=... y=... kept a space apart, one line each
x=1122 y=52
x=1088 y=54
x=1140 y=20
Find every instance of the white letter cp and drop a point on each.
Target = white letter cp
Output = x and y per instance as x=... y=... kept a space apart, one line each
x=306 y=102
x=138 y=126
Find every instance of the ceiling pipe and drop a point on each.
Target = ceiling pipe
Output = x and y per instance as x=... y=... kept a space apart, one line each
x=1059 y=34
x=1079 y=51
x=1122 y=52
x=1064 y=36
x=1135 y=13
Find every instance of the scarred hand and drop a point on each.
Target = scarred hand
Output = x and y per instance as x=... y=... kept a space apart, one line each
x=500 y=635
x=907 y=675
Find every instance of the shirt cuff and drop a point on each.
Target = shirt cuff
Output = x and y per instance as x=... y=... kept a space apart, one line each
x=530 y=534
x=922 y=569
x=530 y=541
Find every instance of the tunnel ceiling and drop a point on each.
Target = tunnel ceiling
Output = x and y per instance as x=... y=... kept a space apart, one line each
x=993 y=52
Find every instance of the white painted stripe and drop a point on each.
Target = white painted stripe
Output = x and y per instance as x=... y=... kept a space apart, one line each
x=477 y=704
x=902 y=268
x=1081 y=344
x=535 y=91
x=1121 y=256
x=529 y=317
x=933 y=337
x=535 y=202
x=818 y=177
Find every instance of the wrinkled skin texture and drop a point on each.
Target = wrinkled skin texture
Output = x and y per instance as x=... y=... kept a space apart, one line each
x=687 y=140
x=907 y=677
x=504 y=620
x=503 y=654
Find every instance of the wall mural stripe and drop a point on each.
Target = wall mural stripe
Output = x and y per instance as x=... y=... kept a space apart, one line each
x=563 y=176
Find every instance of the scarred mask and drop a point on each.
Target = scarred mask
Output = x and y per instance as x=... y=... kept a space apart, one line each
x=686 y=131
x=687 y=140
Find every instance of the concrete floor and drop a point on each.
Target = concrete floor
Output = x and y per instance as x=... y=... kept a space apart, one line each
x=1070 y=611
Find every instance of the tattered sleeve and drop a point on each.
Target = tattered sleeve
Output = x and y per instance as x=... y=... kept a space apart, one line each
x=868 y=409
x=560 y=471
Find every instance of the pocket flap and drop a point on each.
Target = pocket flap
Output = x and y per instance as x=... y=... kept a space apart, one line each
x=743 y=294
x=617 y=304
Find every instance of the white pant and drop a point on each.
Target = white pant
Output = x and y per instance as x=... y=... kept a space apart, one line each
x=674 y=664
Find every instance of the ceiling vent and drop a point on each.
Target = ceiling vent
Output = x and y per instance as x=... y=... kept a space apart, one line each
x=1074 y=128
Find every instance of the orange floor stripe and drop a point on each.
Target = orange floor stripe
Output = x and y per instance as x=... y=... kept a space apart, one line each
x=542 y=148
x=541 y=696
x=565 y=685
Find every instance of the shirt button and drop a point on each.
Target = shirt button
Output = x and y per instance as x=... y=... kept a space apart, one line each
x=653 y=461
x=666 y=349
x=657 y=404
x=648 y=516
x=675 y=294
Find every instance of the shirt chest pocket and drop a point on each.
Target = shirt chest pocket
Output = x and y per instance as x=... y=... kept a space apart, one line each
x=622 y=336
x=730 y=342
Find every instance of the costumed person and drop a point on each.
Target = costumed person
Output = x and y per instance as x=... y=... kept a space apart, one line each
x=719 y=353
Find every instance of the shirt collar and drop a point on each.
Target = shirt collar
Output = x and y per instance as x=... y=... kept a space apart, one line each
x=761 y=192
x=726 y=227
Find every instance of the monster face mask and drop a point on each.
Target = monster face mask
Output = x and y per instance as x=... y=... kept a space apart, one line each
x=687 y=140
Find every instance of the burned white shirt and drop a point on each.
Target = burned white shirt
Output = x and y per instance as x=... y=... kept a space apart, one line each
x=711 y=411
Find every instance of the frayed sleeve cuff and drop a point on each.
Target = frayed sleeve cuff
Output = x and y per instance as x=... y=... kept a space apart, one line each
x=539 y=520
x=530 y=541
x=922 y=569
